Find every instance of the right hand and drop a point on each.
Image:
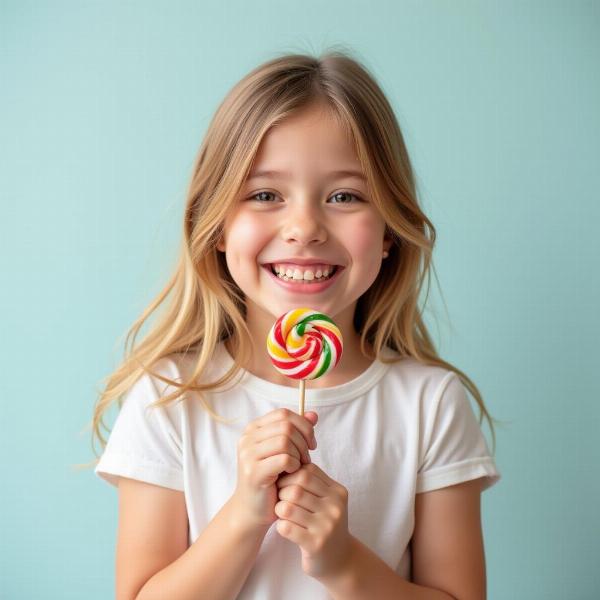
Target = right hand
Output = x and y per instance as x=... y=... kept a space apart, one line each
x=270 y=445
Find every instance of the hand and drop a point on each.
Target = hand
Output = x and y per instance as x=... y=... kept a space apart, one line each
x=313 y=511
x=275 y=443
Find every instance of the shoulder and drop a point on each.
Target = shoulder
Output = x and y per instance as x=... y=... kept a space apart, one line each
x=152 y=378
x=158 y=386
x=416 y=378
x=187 y=364
x=167 y=372
x=422 y=391
x=149 y=394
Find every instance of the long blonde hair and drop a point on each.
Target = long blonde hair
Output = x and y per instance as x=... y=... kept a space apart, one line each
x=202 y=305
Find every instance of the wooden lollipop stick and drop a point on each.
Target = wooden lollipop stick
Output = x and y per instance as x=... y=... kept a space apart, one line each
x=301 y=409
x=304 y=344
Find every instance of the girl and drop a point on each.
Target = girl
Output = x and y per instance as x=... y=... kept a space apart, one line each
x=302 y=195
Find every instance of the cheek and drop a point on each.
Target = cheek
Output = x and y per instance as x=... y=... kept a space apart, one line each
x=367 y=237
x=246 y=234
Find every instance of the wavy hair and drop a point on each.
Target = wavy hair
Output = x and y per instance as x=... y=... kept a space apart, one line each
x=201 y=304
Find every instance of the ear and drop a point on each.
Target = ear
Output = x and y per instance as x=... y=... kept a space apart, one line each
x=387 y=240
x=221 y=244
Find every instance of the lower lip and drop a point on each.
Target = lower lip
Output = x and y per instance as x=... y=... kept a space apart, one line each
x=305 y=288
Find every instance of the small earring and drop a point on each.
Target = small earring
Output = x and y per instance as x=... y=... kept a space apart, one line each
x=385 y=254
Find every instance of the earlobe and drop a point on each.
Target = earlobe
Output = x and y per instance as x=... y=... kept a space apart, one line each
x=388 y=238
x=387 y=244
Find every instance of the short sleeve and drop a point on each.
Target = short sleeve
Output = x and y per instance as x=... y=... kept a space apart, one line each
x=144 y=442
x=454 y=448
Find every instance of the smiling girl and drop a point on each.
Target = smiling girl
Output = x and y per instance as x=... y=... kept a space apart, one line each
x=302 y=195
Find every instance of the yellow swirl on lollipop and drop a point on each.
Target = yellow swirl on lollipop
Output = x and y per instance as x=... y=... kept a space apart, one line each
x=304 y=344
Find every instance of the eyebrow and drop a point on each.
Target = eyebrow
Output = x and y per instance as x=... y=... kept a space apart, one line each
x=339 y=173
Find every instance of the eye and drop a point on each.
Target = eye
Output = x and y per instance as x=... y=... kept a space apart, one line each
x=347 y=194
x=266 y=197
x=262 y=200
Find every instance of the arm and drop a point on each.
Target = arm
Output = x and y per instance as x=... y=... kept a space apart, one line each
x=447 y=554
x=367 y=576
x=153 y=560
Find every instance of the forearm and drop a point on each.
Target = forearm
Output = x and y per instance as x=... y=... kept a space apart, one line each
x=214 y=567
x=367 y=576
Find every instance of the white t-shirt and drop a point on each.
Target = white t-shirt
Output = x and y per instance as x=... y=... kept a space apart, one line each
x=392 y=432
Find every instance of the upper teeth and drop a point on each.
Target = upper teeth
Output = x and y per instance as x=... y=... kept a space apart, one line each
x=296 y=272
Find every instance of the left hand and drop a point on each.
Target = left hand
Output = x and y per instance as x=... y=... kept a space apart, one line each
x=313 y=512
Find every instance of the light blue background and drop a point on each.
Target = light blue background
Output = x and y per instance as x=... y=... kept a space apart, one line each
x=103 y=107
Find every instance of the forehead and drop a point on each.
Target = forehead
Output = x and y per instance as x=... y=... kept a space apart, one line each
x=312 y=139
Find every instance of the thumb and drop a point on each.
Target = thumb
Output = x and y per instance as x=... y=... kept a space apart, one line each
x=311 y=416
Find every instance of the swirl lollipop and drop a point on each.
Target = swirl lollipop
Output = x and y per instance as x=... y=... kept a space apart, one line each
x=304 y=344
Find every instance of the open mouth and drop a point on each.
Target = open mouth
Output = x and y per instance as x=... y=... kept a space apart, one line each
x=304 y=275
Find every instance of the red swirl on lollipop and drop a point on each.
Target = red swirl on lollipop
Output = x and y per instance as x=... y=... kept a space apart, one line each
x=304 y=344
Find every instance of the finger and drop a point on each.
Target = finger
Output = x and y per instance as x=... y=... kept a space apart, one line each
x=296 y=494
x=294 y=513
x=311 y=416
x=318 y=472
x=285 y=428
x=334 y=486
x=278 y=444
x=304 y=426
x=268 y=469
x=308 y=479
x=295 y=533
x=307 y=472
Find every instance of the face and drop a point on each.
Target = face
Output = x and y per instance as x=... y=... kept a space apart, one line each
x=307 y=222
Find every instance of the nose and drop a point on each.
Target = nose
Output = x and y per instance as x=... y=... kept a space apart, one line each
x=304 y=225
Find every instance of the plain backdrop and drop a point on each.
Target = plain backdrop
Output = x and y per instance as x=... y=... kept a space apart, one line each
x=103 y=106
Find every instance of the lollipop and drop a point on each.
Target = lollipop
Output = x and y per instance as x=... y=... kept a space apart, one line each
x=304 y=344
